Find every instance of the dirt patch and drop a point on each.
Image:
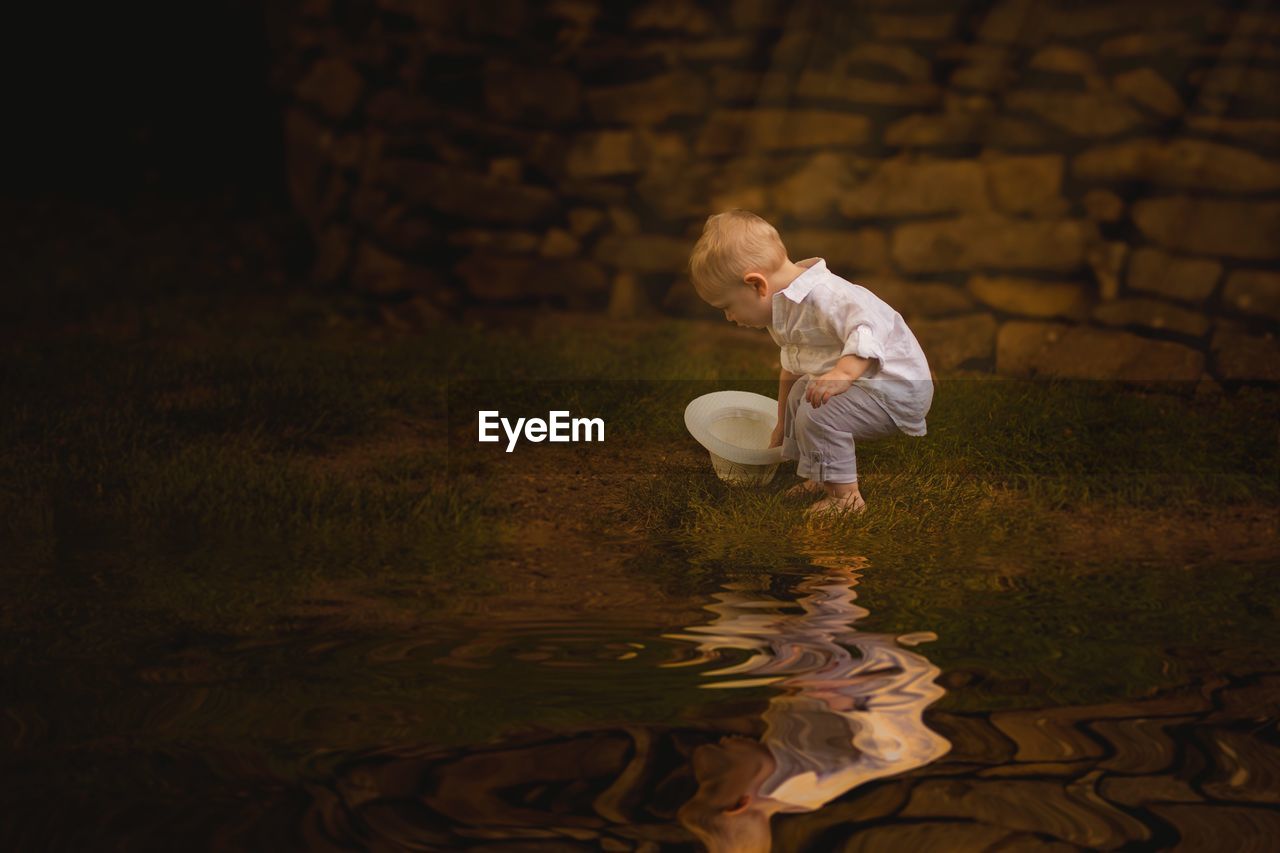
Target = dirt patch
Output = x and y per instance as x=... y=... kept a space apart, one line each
x=1238 y=533
x=557 y=562
x=399 y=438
x=556 y=496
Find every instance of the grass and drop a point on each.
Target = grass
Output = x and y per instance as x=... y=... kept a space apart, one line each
x=190 y=468
x=1035 y=631
x=183 y=454
x=998 y=458
x=189 y=452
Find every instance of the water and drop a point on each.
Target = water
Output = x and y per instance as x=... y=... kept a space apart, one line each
x=910 y=706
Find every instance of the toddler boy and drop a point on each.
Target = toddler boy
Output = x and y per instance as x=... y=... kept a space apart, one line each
x=851 y=368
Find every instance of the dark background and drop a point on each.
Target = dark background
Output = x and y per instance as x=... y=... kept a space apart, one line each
x=116 y=100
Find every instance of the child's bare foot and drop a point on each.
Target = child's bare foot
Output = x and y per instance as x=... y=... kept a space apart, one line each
x=804 y=488
x=851 y=503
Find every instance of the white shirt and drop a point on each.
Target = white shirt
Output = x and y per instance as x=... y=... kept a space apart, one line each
x=820 y=317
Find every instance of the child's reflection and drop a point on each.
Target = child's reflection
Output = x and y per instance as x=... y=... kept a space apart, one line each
x=841 y=719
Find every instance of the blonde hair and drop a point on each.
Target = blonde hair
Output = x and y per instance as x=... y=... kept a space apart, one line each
x=732 y=244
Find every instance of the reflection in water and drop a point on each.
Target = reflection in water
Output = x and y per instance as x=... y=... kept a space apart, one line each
x=840 y=719
x=514 y=730
x=847 y=708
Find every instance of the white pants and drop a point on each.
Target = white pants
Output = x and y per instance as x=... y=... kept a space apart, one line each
x=822 y=439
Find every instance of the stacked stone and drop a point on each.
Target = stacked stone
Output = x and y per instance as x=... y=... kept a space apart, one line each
x=1041 y=189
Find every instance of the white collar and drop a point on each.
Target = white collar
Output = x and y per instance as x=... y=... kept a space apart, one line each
x=800 y=286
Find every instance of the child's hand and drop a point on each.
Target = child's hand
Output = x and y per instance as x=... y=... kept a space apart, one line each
x=776 y=439
x=823 y=388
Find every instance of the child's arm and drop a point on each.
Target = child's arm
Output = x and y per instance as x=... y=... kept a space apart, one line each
x=786 y=379
x=861 y=352
x=837 y=380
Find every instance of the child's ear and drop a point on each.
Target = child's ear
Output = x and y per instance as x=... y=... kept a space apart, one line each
x=757 y=282
x=740 y=806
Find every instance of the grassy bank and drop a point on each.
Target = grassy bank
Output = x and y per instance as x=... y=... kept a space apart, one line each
x=999 y=459
x=221 y=455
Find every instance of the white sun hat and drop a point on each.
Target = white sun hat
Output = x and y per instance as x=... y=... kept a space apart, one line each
x=735 y=428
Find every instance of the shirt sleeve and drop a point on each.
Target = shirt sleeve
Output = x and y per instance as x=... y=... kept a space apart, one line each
x=861 y=341
x=850 y=325
x=848 y=322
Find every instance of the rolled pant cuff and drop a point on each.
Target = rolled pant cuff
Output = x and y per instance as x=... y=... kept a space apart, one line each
x=843 y=471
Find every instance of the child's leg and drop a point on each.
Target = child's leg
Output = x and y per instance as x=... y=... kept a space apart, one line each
x=790 y=450
x=826 y=437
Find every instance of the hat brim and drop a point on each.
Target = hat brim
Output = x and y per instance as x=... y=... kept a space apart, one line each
x=703 y=412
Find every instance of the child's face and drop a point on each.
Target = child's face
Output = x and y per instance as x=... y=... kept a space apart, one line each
x=747 y=304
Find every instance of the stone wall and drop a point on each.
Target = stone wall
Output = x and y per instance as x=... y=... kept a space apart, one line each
x=1041 y=189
